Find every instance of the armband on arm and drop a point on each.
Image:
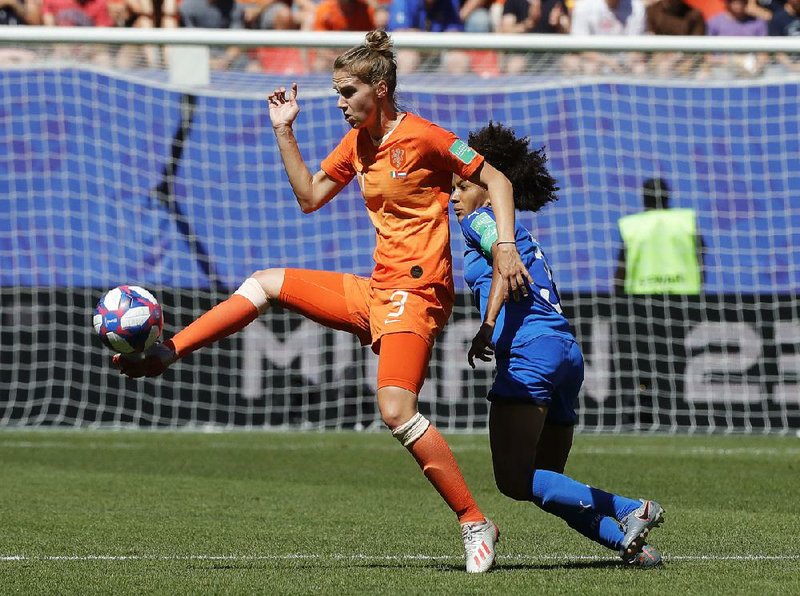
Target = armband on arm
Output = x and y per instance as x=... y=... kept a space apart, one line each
x=486 y=228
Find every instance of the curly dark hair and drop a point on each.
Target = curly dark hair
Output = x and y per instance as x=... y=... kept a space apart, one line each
x=534 y=187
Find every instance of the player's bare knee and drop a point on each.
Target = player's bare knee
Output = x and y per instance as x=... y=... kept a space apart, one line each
x=397 y=406
x=271 y=281
x=394 y=416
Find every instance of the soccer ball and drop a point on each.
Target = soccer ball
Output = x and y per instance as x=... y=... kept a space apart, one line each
x=128 y=319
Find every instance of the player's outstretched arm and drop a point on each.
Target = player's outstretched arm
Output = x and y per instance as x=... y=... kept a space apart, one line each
x=152 y=363
x=312 y=191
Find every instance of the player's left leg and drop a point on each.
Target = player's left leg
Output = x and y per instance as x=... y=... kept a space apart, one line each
x=531 y=436
x=521 y=471
x=636 y=517
x=557 y=494
x=402 y=364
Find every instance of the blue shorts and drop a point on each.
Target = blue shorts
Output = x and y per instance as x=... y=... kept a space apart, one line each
x=546 y=370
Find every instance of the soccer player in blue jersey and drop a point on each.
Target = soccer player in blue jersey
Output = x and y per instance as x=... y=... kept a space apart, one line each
x=539 y=363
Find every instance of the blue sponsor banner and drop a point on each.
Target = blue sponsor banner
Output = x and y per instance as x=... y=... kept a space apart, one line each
x=85 y=157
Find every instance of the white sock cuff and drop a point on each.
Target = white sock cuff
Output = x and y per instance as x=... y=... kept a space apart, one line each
x=253 y=291
x=408 y=432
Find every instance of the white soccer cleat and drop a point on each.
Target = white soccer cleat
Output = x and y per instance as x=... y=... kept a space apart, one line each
x=479 y=540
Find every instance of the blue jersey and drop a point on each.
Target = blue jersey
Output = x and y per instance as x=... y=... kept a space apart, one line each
x=518 y=322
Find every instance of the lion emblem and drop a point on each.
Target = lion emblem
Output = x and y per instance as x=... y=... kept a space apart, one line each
x=398 y=158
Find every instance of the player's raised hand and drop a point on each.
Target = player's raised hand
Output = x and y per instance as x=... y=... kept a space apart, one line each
x=513 y=270
x=283 y=106
x=151 y=363
x=482 y=347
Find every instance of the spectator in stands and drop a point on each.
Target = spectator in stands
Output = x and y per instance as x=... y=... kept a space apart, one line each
x=476 y=15
x=165 y=13
x=532 y=16
x=764 y=9
x=133 y=13
x=340 y=15
x=674 y=17
x=344 y=15
x=278 y=14
x=20 y=12
x=535 y=16
x=76 y=13
x=736 y=21
x=607 y=17
x=382 y=8
x=217 y=14
x=422 y=15
x=425 y=15
x=662 y=252
x=708 y=8
x=786 y=20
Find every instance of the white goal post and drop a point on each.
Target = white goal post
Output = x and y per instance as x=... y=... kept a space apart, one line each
x=152 y=166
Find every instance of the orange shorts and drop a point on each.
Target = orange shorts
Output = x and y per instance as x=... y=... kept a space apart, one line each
x=349 y=303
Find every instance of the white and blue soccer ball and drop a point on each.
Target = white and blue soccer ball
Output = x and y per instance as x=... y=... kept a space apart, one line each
x=128 y=319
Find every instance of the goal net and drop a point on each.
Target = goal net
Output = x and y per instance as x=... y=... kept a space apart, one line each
x=143 y=163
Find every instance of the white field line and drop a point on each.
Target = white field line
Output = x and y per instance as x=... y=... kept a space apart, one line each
x=288 y=445
x=566 y=558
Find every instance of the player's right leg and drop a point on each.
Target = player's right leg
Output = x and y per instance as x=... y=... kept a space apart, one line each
x=636 y=526
x=251 y=299
x=319 y=295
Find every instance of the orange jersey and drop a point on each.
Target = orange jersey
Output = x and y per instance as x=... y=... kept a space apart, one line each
x=333 y=15
x=406 y=183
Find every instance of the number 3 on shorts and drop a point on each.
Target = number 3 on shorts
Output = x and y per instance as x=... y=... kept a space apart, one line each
x=398 y=302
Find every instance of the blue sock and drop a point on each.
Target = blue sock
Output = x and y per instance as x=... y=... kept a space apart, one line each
x=600 y=528
x=554 y=488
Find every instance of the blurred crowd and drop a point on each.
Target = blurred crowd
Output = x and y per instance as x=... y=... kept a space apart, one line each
x=558 y=17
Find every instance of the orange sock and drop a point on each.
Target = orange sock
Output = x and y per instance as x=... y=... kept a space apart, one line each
x=439 y=466
x=230 y=316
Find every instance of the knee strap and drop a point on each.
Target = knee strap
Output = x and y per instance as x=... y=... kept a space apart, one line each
x=253 y=291
x=408 y=432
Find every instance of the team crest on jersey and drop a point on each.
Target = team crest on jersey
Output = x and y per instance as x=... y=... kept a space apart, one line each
x=397 y=157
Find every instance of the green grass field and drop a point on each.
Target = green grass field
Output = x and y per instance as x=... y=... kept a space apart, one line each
x=347 y=513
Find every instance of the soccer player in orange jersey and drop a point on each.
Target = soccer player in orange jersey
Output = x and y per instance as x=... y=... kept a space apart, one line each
x=404 y=165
